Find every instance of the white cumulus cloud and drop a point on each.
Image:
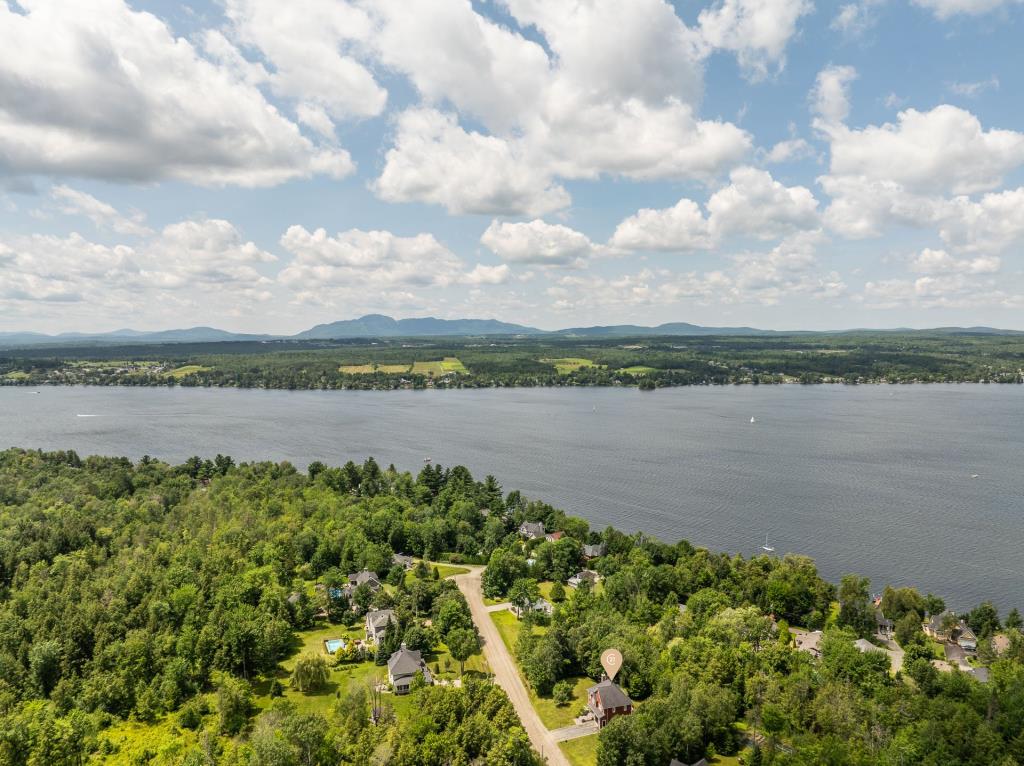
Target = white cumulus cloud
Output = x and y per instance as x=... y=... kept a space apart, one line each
x=96 y=89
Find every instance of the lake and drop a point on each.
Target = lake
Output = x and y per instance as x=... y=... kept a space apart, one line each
x=869 y=479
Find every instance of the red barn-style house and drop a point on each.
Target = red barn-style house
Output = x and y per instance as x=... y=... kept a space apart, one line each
x=606 y=700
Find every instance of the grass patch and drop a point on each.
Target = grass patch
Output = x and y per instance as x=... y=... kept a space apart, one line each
x=555 y=717
x=447 y=365
x=16 y=375
x=369 y=369
x=638 y=369
x=570 y=364
x=581 y=751
x=188 y=369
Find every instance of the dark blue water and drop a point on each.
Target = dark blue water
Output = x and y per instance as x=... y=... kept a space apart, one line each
x=872 y=479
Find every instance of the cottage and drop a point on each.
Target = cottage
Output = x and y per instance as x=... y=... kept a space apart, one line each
x=594 y=551
x=401 y=560
x=966 y=638
x=585 y=575
x=531 y=530
x=934 y=627
x=809 y=642
x=554 y=537
x=606 y=700
x=377 y=621
x=364 y=577
x=403 y=666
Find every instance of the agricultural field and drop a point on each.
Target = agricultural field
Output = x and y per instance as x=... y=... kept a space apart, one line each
x=435 y=369
x=188 y=369
x=570 y=364
x=369 y=369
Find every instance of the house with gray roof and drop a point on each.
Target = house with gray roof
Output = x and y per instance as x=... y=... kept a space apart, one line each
x=594 y=551
x=966 y=637
x=377 y=621
x=531 y=530
x=934 y=627
x=863 y=645
x=401 y=560
x=588 y=575
x=403 y=666
x=607 y=700
x=364 y=577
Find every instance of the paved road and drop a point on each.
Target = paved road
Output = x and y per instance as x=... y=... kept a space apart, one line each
x=895 y=652
x=575 y=732
x=504 y=669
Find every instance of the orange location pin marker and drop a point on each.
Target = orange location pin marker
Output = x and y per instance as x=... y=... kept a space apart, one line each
x=611 y=661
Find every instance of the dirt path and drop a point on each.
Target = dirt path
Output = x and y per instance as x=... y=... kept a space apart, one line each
x=504 y=668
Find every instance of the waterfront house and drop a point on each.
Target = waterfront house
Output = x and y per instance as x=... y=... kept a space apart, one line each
x=403 y=666
x=364 y=577
x=594 y=551
x=587 y=575
x=554 y=537
x=934 y=626
x=606 y=700
x=884 y=624
x=966 y=638
x=809 y=642
x=377 y=621
x=531 y=530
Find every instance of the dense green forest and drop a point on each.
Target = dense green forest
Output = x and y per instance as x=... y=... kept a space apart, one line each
x=529 y=361
x=164 y=614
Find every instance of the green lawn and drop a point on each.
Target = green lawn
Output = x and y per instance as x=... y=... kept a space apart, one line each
x=553 y=716
x=16 y=375
x=638 y=369
x=443 y=570
x=188 y=369
x=581 y=751
x=569 y=364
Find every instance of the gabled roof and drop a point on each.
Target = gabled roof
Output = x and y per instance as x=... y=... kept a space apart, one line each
x=405 y=662
x=555 y=535
x=866 y=646
x=379 y=617
x=587 y=574
x=364 y=576
x=534 y=528
x=610 y=694
x=935 y=623
x=966 y=632
x=592 y=551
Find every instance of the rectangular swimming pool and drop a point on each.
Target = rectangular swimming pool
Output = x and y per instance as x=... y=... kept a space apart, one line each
x=334 y=644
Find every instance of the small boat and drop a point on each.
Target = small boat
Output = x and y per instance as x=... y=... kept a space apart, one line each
x=753 y=420
x=80 y=415
x=974 y=476
x=766 y=547
x=427 y=460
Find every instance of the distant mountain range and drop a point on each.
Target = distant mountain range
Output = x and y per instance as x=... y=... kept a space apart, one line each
x=381 y=326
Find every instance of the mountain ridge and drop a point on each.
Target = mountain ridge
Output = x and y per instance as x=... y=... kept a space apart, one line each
x=383 y=326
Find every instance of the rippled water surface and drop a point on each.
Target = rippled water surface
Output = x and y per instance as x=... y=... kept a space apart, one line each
x=871 y=479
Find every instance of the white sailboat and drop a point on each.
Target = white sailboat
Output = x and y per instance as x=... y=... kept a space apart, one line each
x=752 y=419
x=766 y=547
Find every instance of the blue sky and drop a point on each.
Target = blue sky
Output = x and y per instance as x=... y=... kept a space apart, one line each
x=266 y=166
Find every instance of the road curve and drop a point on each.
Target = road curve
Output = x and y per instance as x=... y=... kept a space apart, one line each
x=505 y=671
